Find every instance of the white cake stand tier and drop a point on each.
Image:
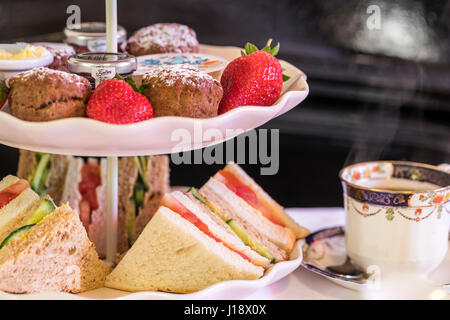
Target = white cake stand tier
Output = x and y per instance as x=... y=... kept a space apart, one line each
x=163 y=135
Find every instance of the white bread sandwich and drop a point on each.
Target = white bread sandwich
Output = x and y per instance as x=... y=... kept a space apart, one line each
x=45 y=172
x=143 y=181
x=16 y=197
x=265 y=203
x=234 y=195
x=49 y=251
x=85 y=191
x=172 y=254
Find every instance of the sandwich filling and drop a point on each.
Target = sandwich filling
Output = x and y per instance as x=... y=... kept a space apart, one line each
x=232 y=182
x=173 y=204
x=137 y=200
x=39 y=177
x=45 y=208
x=240 y=232
x=90 y=180
x=13 y=191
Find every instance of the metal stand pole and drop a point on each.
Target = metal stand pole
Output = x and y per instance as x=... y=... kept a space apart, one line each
x=112 y=162
x=111 y=208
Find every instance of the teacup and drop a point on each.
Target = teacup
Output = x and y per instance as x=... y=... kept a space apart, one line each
x=397 y=215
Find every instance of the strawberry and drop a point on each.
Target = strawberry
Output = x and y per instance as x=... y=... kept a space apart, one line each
x=256 y=78
x=116 y=101
x=3 y=93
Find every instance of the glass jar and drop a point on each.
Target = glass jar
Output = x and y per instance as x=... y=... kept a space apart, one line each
x=99 y=66
x=91 y=37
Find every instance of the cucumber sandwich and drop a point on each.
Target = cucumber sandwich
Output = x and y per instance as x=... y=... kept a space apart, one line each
x=43 y=247
x=229 y=229
x=45 y=172
x=81 y=183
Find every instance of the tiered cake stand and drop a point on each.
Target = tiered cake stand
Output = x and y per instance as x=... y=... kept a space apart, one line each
x=87 y=137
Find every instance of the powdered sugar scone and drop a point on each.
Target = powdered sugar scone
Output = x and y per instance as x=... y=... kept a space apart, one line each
x=61 y=52
x=163 y=38
x=182 y=90
x=44 y=94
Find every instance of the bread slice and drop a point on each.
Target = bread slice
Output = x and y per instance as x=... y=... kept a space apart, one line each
x=158 y=179
x=266 y=199
x=26 y=165
x=128 y=173
x=71 y=195
x=12 y=214
x=251 y=219
x=57 y=174
x=97 y=228
x=55 y=255
x=158 y=174
x=218 y=227
x=173 y=255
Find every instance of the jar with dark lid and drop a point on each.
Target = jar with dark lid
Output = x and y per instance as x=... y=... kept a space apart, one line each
x=91 y=37
x=103 y=64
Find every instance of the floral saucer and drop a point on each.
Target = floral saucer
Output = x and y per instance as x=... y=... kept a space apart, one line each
x=326 y=248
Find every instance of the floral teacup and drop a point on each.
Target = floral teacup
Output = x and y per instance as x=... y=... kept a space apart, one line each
x=397 y=215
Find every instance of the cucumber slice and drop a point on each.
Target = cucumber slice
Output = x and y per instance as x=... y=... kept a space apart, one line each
x=39 y=178
x=45 y=208
x=237 y=229
x=210 y=206
x=139 y=194
x=196 y=195
x=142 y=170
x=16 y=234
x=249 y=240
x=131 y=219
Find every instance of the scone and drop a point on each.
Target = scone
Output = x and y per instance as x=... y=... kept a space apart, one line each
x=163 y=38
x=61 y=53
x=181 y=90
x=43 y=94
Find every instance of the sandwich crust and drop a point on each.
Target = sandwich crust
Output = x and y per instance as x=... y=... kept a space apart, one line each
x=55 y=255
x=57 y=174
x=158 y=176
x=173 y=255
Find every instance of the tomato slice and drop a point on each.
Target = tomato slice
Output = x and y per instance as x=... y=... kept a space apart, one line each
x=90 y=180
x=247 y=194
x=10 y=193
x=173 y=204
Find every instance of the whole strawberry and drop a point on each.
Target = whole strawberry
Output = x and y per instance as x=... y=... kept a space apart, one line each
x=254 y=79
x=117 y=101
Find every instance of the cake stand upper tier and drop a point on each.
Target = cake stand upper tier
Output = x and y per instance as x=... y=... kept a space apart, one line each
x=163 y=135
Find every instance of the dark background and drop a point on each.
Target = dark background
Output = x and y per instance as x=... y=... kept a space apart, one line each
x=374 y=94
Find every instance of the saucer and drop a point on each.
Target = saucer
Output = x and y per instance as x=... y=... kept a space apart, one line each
x=326 y=247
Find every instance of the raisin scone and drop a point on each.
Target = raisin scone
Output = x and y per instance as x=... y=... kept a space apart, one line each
x=44 y=94
x=163 y=38
x=182 y=90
